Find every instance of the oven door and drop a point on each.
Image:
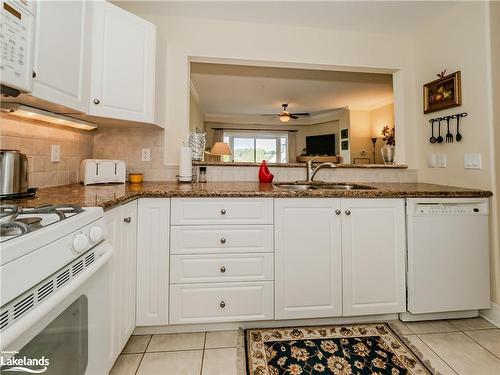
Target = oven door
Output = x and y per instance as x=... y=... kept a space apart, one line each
x=67 y=334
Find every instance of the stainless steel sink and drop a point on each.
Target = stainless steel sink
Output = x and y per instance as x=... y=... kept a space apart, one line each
x=321 y=186
x=296 y=186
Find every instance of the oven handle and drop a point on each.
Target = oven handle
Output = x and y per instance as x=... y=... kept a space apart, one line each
x=104 y=251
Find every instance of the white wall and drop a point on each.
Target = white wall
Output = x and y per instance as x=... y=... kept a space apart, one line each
x=465 y=47
x=311 y=47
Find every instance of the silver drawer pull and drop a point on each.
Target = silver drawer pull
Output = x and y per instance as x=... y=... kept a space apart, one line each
x=338 y=212
x=223 y=211
x=223 y=269
x=127 y=219
x=222 y=240
x=348 y=212
x=222 y=304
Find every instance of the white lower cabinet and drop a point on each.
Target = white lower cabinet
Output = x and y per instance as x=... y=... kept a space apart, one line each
x=153 y=261
x=121 y=225
x=339 y=257
x=373 y=256
x=221 y=302
x=221 y=260
x=308 y=262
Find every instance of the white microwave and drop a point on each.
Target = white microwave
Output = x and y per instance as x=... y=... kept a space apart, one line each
x=17 y=36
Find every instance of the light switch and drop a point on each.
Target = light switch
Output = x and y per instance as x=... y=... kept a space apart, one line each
x=441 y=160
x=431 y=160
x=55 y=155
x=472 y=161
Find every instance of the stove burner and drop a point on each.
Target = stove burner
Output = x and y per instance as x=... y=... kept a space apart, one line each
x=16 y=221
x=30 y=221
x=15 y=228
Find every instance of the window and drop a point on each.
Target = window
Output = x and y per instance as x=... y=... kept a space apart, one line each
x=251 y=148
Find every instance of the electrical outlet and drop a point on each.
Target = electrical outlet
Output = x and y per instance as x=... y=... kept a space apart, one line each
x=146 y=154
x=30 y=164
x=55 y=155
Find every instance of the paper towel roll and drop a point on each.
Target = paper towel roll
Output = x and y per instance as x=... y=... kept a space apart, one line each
x=185 y=164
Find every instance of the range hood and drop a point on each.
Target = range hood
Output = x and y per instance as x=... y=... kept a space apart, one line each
x=33 y=113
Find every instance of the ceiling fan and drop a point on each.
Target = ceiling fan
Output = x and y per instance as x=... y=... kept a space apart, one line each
x=285 y=115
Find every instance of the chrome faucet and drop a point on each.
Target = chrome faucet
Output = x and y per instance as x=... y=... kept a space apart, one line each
x=311 y=172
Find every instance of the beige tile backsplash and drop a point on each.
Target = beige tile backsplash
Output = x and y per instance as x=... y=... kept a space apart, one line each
x=35 y=139
x=127 y=144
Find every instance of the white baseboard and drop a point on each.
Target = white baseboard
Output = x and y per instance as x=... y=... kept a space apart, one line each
x=492 y=314
x=180 y=328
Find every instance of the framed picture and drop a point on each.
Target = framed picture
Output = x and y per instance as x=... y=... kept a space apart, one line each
x=344 y=145
x=344 y=133
x=442 y=93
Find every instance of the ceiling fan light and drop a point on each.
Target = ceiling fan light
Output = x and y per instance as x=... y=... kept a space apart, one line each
x=284 y=118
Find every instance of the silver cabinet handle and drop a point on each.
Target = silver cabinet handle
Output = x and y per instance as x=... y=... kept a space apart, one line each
x=127 y=219
x=222 y=304
x=223 y=211
x=347 y=212
x=223 y=269
x=338 y=212
x=34 y=74
x=96 y=101
x=222 y=240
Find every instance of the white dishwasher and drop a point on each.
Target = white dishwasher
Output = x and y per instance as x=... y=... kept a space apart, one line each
x=448 y=257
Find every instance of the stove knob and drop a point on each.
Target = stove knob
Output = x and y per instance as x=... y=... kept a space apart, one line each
x=95 y=234
x=80 y=243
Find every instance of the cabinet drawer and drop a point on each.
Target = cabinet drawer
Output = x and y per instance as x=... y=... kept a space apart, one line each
x=221 y=268
x=186 y=211
x=221 y=239
x=204 y=303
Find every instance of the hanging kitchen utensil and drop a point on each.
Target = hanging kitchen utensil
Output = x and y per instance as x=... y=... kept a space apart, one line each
x=458 y=137
x=449 y=136
x=432 y=139
x=439 y=138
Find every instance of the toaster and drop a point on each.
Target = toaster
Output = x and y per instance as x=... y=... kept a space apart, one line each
x=102 y=171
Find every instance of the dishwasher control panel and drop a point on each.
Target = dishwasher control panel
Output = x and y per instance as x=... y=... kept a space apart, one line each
x=447 y=208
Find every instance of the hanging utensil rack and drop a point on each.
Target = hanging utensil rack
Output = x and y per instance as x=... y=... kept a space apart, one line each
x=449 y=124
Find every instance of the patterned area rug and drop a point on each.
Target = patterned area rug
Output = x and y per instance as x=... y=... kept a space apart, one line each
x=341 y=350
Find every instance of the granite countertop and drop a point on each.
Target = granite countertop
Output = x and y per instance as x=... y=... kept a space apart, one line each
x=109 y=196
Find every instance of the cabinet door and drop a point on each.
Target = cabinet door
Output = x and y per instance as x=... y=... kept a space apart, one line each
x=114 y=237
x=128 y=269
x=123 y=64
x=373 y=254
x=307 y=258
x=62 y=53
x=153 y=261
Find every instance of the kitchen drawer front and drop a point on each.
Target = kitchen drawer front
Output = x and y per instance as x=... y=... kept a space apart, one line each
x=221 y=268
x=188 y=211
x=221 y=239
x=222 y=302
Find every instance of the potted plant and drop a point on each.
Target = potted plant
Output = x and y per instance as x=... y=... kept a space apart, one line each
x=388 y=150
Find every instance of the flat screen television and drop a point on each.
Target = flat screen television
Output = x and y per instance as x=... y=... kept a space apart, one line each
x=321 y=145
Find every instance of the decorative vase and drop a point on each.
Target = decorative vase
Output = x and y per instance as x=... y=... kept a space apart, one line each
x=388 y=154
x=197 y=145
x=265 y=174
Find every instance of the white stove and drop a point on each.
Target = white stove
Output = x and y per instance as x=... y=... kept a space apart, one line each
x=51 y=260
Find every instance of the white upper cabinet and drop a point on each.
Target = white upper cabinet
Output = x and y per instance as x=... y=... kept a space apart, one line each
x=308 y=262
x=62 y=53
x=373 y=255
x=123 y=64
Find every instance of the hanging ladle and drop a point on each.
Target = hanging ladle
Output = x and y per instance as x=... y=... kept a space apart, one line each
x=458 y=137
x=439 y=138
x=432 y=139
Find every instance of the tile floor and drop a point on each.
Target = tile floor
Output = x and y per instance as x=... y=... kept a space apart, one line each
x=457 y=347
